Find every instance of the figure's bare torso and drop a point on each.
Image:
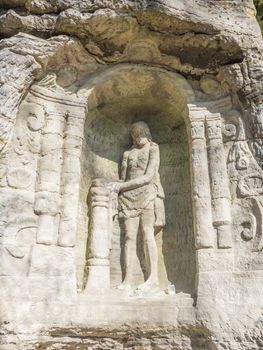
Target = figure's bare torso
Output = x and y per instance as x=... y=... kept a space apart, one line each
x=137 y=161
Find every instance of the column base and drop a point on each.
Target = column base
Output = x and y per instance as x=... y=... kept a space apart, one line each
x=45 y=233
x=67 y=231
x=98 y=278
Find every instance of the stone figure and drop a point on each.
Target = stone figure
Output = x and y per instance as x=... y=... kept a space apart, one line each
x=140 y=203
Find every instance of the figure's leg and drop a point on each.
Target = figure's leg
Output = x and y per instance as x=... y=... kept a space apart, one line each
x=131 y=226
x=150 y=248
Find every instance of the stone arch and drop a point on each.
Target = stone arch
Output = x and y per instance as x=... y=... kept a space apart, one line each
x=119 y=96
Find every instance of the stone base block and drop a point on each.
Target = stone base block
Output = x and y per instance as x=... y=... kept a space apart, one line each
x=98 y=278
x=52 y=273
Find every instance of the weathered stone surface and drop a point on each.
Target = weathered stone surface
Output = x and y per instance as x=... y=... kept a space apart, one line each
x=74 y=76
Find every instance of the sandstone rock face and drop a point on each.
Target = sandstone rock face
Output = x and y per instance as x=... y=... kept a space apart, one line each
x=74 y=76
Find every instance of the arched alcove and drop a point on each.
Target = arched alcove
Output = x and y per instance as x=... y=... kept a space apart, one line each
x=120 y=96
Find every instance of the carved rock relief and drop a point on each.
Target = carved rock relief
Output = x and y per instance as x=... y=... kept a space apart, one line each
x=195 y=39
x=48 y=142
x=36 y=174
x=246 y=177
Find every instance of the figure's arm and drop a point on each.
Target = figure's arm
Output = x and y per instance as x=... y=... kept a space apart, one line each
x=152 y=168
x=115 y=186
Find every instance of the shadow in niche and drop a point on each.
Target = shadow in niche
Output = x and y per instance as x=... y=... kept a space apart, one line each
x=176 y=242
x=107 y=138
x=178 y=237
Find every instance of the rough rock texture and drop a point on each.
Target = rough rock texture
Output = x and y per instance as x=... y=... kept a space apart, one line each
x=73 y=76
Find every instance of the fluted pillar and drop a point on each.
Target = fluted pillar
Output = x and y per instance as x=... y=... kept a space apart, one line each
x=219 y=181
x=70 y=176
x=98 y=264
x=202 y=209
x=47 y=203
x=57 y=196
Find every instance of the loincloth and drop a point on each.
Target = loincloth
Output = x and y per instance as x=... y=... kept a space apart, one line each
x=133 y=202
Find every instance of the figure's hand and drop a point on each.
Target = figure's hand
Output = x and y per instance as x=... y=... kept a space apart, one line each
x=114 y=186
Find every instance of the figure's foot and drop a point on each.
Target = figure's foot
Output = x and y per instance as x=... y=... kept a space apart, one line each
x=125 y=287
x=151 y=286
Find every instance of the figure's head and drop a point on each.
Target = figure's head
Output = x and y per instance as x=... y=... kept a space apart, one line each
x=140 y=133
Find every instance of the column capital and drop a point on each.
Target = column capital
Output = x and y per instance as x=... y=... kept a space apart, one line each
x=197 y=129
x=212 y=116
x=57 y=96
x=214 y=126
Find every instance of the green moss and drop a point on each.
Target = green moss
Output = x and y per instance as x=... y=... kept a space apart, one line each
x=259 y=7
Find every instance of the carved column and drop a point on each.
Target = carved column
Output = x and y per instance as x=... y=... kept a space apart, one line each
x=98 y=241
x=59 y=165
x=219 y=181
x=202 y=210
x=70 y=177
x=47 y=203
